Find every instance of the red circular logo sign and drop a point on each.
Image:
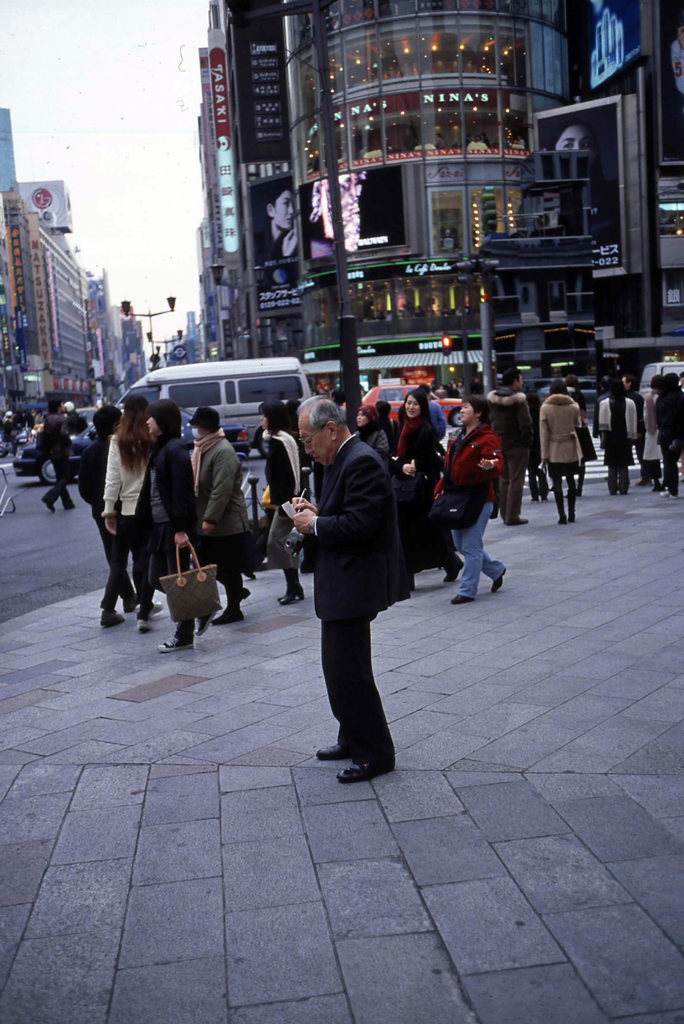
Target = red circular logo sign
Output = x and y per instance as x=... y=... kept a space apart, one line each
x=42 y=198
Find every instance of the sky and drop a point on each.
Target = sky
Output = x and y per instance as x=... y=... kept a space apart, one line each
x=105 y=96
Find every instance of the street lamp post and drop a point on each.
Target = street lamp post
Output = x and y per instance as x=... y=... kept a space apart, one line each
x=126 y=307
x=217 y=270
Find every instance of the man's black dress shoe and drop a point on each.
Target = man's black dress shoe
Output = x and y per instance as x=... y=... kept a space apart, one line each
x=462 y=599
x=334 y=753
x=364 y=772
x=498 y=582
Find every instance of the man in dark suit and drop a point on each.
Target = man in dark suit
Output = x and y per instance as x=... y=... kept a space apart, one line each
x=359 y=571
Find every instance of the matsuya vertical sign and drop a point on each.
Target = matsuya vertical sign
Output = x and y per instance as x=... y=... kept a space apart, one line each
x=224 y=148
x=41 y=301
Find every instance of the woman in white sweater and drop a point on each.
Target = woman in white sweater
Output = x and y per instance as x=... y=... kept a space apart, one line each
x=126 y=465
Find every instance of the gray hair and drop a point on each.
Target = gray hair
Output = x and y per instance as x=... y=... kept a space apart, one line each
x=321 y=410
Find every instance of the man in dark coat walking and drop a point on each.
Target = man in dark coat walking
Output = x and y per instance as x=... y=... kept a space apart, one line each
x=359 y=571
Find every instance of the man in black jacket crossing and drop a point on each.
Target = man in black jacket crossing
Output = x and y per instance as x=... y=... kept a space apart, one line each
x=359 y=571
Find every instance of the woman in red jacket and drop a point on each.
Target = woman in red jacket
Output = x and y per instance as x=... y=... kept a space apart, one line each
x=475 y=461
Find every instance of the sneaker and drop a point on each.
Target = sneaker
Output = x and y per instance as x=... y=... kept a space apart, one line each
x=130 y=606
x=203 y=624
x=144 y=626
x=156 y=609
x=111 y=619
x=174 y=644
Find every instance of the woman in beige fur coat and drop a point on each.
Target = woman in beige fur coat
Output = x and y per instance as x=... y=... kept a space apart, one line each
x=560 y=447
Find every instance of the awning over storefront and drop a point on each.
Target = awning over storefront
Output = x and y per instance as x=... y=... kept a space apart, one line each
x=397 y=362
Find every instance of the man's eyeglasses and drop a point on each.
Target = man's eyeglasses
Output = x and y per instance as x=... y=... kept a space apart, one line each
x=306 y=441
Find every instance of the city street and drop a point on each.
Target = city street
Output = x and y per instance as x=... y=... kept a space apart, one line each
x=171 y=852
x=57 y=556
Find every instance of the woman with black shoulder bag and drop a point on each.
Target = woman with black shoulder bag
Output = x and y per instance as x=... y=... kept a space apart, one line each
x=468 y=492
x=415 y=468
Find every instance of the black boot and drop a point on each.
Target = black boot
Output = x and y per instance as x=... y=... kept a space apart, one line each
x=294 y=588
x=558 y=495
x=571 y=508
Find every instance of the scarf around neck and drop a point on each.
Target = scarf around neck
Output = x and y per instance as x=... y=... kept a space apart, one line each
x=292 y=449
x=649 y=404
x=202 y=445
x=411 y=426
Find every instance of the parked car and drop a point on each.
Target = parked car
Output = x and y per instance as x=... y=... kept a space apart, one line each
x=31 y=462
x=651 y=369
x=396 y=393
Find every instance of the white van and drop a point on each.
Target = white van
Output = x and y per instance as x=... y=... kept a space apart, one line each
x=235 y=388
x=651 y=369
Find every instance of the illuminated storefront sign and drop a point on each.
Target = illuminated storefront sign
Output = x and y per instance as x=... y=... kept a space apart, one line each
x=224 y=148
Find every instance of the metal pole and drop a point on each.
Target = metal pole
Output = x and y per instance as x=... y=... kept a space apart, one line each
x=253 y=482
x=486 y=326
x=464 y=281
x=347 y=323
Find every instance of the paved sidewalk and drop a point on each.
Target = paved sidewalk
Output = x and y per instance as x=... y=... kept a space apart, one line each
x=171 y=853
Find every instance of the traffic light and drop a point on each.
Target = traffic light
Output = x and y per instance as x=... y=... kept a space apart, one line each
x=446 y=341
x=489 y=214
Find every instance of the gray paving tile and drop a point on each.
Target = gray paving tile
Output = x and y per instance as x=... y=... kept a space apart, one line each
x=270 y=756
x=173 y=921
x=603 y=747
x=662 y=755
x=268 y=873
x=279 y=953
x=30 y=818
x=660 y=795
x=61 y=978
x=21 y=869
x=109 y=786
x=8 y=773
x=176 y=851
x=348 y=831
x=372 y=897
x=406 y=796
x=103 y=834
x=179 y=993
x=260 y=814
x=316 y=1010
x=617 y=828
x=446 y=850
x=533 y=995
x=167 y=771
x=181 y=798
x=555 y=787
x=12 y=923
x=158 y=687
x=488 y=926
x=232 y=779
x=320 y=786
x=74 y=896
x=558 y=873
x=463 y=779
x=629 y=966
x=405 y=979
x=657 y=883
x=527 y=745
x=41 y=779
x=511 y=811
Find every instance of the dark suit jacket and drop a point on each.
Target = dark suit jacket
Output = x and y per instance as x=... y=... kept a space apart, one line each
x=359 y=566
x=171 y=460
x=91 y=475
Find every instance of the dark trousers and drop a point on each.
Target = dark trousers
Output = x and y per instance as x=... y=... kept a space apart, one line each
x=59 y=488
x=639 y=449
x=512 y=483
x=670 y=470
x=539 y=485
x=118 y=584
x=618 y=479
x=163 y=563
x=353 y=695
x=225 y=553
x=128 y=540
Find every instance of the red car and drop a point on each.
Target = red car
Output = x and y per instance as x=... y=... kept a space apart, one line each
x=395 y=394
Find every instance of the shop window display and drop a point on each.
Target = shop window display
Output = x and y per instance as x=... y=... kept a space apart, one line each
x=372 y=301
x=481 y=125
x=446 y=207
x=442 y=124
x=477 y=46
x=402 y=126
x=445 y=296
x=398 y=51
x=366 y=132
x=413 y=298
x=516 y=124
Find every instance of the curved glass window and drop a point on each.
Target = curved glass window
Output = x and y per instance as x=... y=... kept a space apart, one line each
x=371 y=301
x=306 y=80
x=506 y=51
x=445 y=296
x=341 y=138
x=395 y=8
x=357 y=12
x=310 y=147
x=442 y=124
x=336 y=74
x=360 y=57
x=438 y=45
x=481 y=123
x=365 y=122
x=332 y=18
x=515 y=219
x=516 y=124
x=477 y=46
x=402 y=125
x=414 y=298
x=398 y=50
x=520 y=55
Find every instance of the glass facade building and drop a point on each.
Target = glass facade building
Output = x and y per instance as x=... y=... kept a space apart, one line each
x=445 y=91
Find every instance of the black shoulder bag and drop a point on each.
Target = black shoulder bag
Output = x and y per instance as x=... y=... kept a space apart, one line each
x=457 y=507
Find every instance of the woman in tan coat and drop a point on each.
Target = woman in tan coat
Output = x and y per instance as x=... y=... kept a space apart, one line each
x=560 y=447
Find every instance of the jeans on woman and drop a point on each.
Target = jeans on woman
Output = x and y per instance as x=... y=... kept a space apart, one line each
x=469 y=543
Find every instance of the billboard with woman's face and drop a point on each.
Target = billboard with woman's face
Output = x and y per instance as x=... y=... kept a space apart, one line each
x=276 y=243
x=594 y=128
x=672 y=80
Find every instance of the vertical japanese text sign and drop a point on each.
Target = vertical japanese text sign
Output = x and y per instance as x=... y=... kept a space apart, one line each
x=224 y=149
